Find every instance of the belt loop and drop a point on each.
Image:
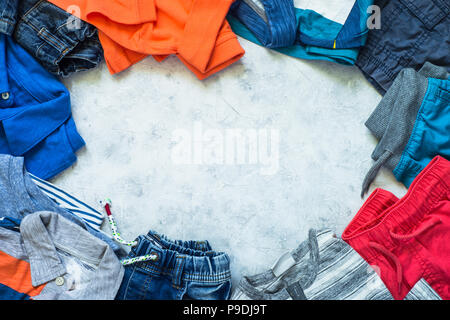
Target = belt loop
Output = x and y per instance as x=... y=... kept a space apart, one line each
x=141 y=247
x=178 y=271
x=201 y=246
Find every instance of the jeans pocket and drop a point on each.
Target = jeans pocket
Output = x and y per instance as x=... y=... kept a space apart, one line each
x=135 y=284
x=207 y=291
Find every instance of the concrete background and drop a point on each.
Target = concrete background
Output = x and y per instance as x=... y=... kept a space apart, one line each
x=129 y=122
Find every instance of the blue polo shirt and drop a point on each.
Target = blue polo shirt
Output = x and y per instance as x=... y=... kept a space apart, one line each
x=35 y=114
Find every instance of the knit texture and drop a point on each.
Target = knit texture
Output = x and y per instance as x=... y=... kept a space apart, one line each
x=393 y=120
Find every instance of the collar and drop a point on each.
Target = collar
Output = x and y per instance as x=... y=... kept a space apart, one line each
x=27 y=125
x=43 y=232
x=44 y=260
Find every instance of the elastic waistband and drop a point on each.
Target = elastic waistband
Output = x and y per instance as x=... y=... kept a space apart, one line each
x=179 y=245
x=384 y=213
x=182 y=260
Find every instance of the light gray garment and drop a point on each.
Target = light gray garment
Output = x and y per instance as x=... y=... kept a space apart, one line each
x=20 y=196
x=72 y=263
x=422 y=291
x=322 y=268
x=393 y=120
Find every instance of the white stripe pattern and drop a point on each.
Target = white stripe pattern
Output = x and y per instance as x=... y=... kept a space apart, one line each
x=80 y=209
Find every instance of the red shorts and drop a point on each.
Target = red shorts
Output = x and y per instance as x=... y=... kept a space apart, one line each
x=408 y=239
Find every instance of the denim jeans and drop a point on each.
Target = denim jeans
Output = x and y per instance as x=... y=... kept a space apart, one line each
x=412 y=32
x=183 y=270
x=62 y=43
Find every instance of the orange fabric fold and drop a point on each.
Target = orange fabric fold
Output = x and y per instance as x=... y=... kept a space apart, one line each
x=195 y=30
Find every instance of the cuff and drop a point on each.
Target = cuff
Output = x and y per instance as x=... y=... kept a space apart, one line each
x=201 y=32
x=226 y=52
x=6 y=26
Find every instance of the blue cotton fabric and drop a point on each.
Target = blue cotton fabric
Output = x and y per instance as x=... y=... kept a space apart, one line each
x=303 y=34
x=412 y=33
x=21 y=196
x=273 y=22
x=35 y=114
x=341 y=56
x=323 y=33
x=431 y=133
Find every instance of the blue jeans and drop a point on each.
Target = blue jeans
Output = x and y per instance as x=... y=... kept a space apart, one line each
x=184 y=270
x=412 y=33
x=61 y=43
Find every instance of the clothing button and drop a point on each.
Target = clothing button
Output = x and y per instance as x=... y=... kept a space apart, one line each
x=5 y=95
x=59 y=281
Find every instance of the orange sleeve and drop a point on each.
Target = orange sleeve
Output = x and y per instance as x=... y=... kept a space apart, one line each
x=227 y=50
x=200 y=34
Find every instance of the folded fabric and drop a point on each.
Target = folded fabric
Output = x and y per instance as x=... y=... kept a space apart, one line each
x=303 y=34
x=408 y=239
x=431 y=133
x=320 y=32
x=35 y=114
x=272 y=22
x=90 y=216
x=182 y=270
x=394 y=118
x=342 y=56
x=62 y=43
x=422 y=291
x=51 y=258
x=20 y=196
x=194 y=30
x=275 y=25
x=412 y=32
x=321 y=268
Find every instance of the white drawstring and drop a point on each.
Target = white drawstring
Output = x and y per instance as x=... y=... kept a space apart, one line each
x=117 y=237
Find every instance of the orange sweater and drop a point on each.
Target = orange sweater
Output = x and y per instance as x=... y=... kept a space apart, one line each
x=129 y=30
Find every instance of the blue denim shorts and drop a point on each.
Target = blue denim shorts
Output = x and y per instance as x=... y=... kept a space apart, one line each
x=412 y=33
x=62 y=43
x=183 y=270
